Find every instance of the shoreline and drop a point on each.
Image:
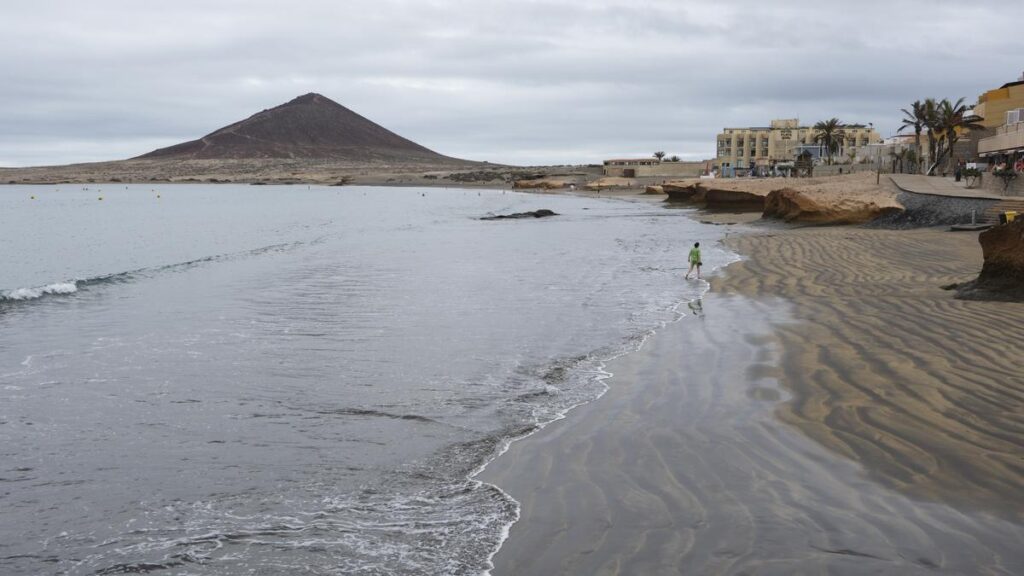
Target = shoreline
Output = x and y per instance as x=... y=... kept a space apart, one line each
x=602 y=375
x=569 y=479
x=286 y=172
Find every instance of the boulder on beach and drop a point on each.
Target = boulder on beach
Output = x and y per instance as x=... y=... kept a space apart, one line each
x=1002 y=274
x=609 y=182
x=656 y=189
x=734 y=200
x=714 y=198
x=849 y=199
x=542 y=213
x=799 y=206
x=683 y=192
x=541 y=184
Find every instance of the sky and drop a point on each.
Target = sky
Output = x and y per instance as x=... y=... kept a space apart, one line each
x=514 y=82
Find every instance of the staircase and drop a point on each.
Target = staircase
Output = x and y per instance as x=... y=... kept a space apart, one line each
x=991 y=216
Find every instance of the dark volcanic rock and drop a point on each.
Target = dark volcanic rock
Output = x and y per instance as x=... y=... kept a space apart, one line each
x=1002 y=274
x=310 y=126
x=925 y=210
x=543 y=213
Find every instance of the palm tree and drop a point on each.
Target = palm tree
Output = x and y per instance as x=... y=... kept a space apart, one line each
x=659 y=155
x=931 y=119
x=897 y=159
x=829 y=133
x=914 y=118
x=674 y=159
x=911 y=159
x=951 y=123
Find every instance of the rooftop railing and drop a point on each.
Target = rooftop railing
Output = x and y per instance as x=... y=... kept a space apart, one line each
x=1007 y=137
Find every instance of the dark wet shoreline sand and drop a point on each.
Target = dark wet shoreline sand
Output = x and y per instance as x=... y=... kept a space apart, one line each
x=832 y=411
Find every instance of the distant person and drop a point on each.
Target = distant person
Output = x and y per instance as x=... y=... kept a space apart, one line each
x=695 y=261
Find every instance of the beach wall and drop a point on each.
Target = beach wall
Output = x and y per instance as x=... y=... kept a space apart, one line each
x=837 y=169
x=991 y=183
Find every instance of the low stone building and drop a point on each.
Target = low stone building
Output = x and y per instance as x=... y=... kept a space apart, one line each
x=651 y=167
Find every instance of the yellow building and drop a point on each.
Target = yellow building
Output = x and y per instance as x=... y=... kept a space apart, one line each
x=738 y=149
x=993 y=105
x=1002 y=112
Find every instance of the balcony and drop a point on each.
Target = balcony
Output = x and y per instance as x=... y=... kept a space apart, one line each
x=1007 y=138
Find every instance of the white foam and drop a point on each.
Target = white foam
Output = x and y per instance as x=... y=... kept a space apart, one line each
x=39 y=292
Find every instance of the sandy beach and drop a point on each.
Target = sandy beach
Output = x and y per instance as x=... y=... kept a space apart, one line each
x=828 y=409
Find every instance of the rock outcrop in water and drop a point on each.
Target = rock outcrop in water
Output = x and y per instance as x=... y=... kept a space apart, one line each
x=310 y=126
x=1002 y=274
x=543 y=213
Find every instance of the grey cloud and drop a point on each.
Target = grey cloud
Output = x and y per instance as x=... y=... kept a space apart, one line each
x=540 y=81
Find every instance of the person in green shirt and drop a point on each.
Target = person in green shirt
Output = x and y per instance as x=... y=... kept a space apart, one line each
x=695 y=261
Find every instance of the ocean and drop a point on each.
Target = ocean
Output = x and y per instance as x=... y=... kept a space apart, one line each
x=229 y=379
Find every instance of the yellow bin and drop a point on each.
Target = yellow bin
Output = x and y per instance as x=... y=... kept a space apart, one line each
x=1010 y=215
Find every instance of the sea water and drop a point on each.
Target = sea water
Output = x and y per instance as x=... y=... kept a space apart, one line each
x=228 y=379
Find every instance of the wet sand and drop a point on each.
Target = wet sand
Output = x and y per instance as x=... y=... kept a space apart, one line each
x=828 y=410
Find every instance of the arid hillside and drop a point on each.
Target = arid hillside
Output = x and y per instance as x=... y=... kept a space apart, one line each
x=308 y=127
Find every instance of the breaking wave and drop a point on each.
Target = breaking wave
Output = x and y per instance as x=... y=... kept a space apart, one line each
x=33 y=293
x=69 y=287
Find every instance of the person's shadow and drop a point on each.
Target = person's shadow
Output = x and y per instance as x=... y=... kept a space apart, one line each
x=697 y=307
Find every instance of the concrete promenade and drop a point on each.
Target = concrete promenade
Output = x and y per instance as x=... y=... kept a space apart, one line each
x=939 y=186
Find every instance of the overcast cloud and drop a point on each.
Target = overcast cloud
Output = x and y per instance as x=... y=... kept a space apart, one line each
x=512 y=82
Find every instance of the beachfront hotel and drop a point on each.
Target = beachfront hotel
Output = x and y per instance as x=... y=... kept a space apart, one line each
x=739 y=150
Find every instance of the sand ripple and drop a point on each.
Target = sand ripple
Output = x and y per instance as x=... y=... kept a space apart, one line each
x=925 y=391
x=900 y=446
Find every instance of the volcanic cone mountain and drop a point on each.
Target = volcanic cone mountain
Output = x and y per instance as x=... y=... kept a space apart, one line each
x=308 y=127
